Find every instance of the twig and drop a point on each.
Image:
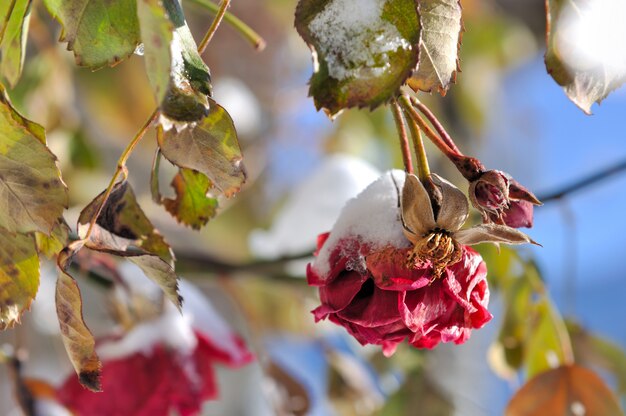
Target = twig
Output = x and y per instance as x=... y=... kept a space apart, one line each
x=420 y=152
x=216 y=23
x=404 y=139
x=7 y=17
x=436 y=124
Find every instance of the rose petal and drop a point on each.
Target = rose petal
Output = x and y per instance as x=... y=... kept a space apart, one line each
x=519 y=214
x=372 y=307
x=422 y=309
x=339 y=293
x=454 y=206
x=389 y=271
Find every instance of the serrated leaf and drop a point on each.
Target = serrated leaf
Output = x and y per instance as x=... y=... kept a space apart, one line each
x=362 y=54
x=122 y=229
x=567 y=390
x=122 y=225
x=186 y=99
x=19 y=276
x=77 y=338
x=585 y=55
x=439 y=45
x=32 y=193
x=156 y=34
x=13 y=43
x=51 y=245
x=192 y=205
x=99 y=32
x=210 y=147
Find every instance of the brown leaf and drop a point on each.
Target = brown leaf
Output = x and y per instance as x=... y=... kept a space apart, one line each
x=19 y=276
x=440 y=40
x=31 y=189
x=586 y=75
x=210 y=147
x=78 y=340
x=568 y=390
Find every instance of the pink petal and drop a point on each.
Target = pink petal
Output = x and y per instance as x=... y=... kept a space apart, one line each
x=389 y=270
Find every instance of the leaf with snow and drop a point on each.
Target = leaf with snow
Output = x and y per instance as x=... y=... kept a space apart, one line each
x=32 y=193
x=51 y=245
x=567 y=390
x=100 y=33
x=585 y=52
x=188 y=77
x=193 y=206
x=439 y=45
x=122 y=225
x=19 y=276
x=78 y=340
x=211 y=148
x=363 y=50
x=14 y=19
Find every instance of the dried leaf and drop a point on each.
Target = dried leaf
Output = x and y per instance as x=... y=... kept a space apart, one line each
x=439 y=45
x=51 y=245
x=32 y=193
x=122 y=229
x=19 y=276
x=13 y=44
x=122 y=225
x=99 y=33
x=567 y=390
x=210 y=147
x=78 y=340
x=192 y=205
x=582 y=56
x=361 y=56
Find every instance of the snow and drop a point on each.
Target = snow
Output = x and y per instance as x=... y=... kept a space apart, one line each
x=354 y=38
x=373 y=217
x=313 y=207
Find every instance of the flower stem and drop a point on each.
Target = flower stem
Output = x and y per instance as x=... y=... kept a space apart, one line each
x=246 y=31
x=423 y=170
x=404 y=139
x=406 y=104
x=436 y=124
x=219 y=16
x=121 y=169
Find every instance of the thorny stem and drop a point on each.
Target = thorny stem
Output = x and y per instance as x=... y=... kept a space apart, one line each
x=423 y=170
x=216 y=23
x=406 y=104
x=404 y=139
x=246 y=31
x=9 y=12
x=436 y=124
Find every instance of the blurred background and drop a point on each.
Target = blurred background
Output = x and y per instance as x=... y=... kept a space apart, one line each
x=302 y=167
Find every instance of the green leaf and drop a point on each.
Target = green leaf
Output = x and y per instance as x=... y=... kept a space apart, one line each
x=363 y=51
x=186 y=99
x=31 y=189
x=156 y=33
x=13 y=43
x=439 y=45
x=417 y=392
x=588 y=71
x=99 y=32
x=122 y=229
x=567 y=390
x=192 y=205
x=122 y=225
x=19 y=276
x=51 y=245
x=210 y=147
x=77 y=338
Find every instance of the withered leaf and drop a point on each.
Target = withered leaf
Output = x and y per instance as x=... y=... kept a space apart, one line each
x=210 y=147
x=32 y=193
x=588 y=71
x=567 y=390
x=51 y=245
x=360 y=57
x=13 y=44
x=192 y=206
x=122 y=224
x=99 y=33
x=439 y=45
x=161 y=273
x=19 y=276
x=78 y=340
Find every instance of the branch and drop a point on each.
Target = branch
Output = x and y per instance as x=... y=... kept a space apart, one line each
x=584 y=182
